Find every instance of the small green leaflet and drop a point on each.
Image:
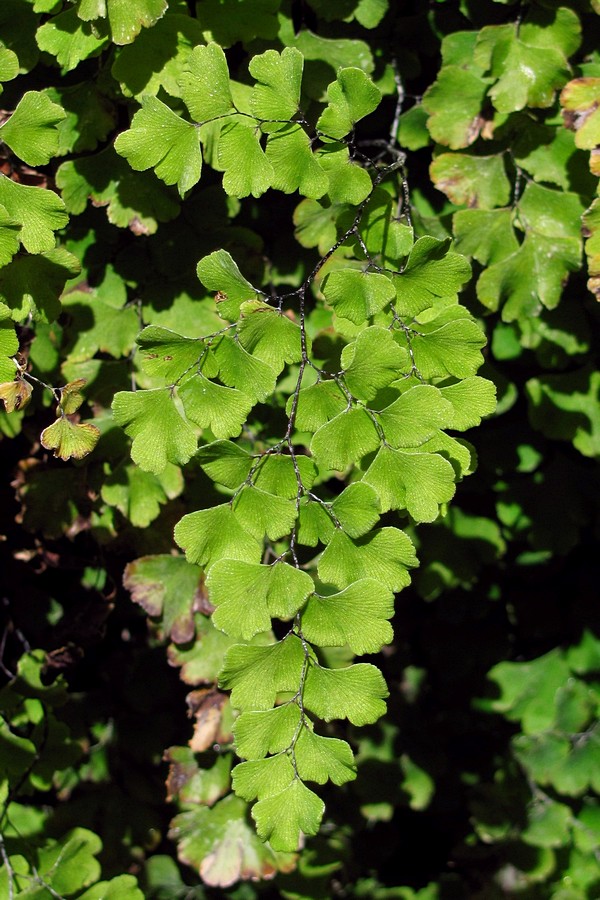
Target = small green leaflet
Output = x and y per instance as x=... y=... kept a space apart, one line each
x=205 y=84
x=345 y=439
x=279 y=79
x=295 y=167
x=261 y=732
x=283 y=818
x=351 y=97
x=432 y=271
x=209 y=405
x=356 y=509
x=348 y=182
x=487 y=235
x=415 y=416
x=318 y=404
x=159 y=139
x=219 y=272
x=256 y=675
x=356 y=693
x=212 y=534
x=160 y=434
x=246 y=168
x=239 y=369
x=357 y=295
x=248 y=596
x=277 y=475
x=31 y=132
x=372 y=362
x=264 y=514
x=454 y=102
x=472 y=399
x=65 y=37
x=168 y=354
x=262 y=777
x=526 y=75
x=449 y=344
x=269 y=335
x=384 y=554
x=225 y=462
x=416 y=482
x=356 y=616
x=39 y=212
x=323 y=759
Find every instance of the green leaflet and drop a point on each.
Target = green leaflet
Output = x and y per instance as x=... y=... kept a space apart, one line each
x=255 y=675
x=126 y=17
x=159 y=139
x=225 y=462
x=454 y=103
x=345 y=439
x=239 y=369
x=212 y=534
x=356 y=509
x=205 y=84
x=348 y=183
x=356 y=616
x=416 y=482
x=269 y=335
x=248 y=596
x=415 y=417
x=372 y=362
x=279 y=78
x=219 y=272
x=487 y=235
x=357 y=295
x=432 y=271
x=139 y=495
x=262 y=732
x=472 y=399
x=265 y=514
x=295 y=168
x=322 y=759
x=449 y=344
x=351 y=97
x=318 y=404
x=168 y=354
x=246 y=168
x=31 y=132
x=385 y=554
x=69 y=40
x=39 y=212
x=284 y=817
x=277 y=475
x=526 y=75
x=261 y=778
x=356 y=693
x=224 y=410
x=160 y=434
